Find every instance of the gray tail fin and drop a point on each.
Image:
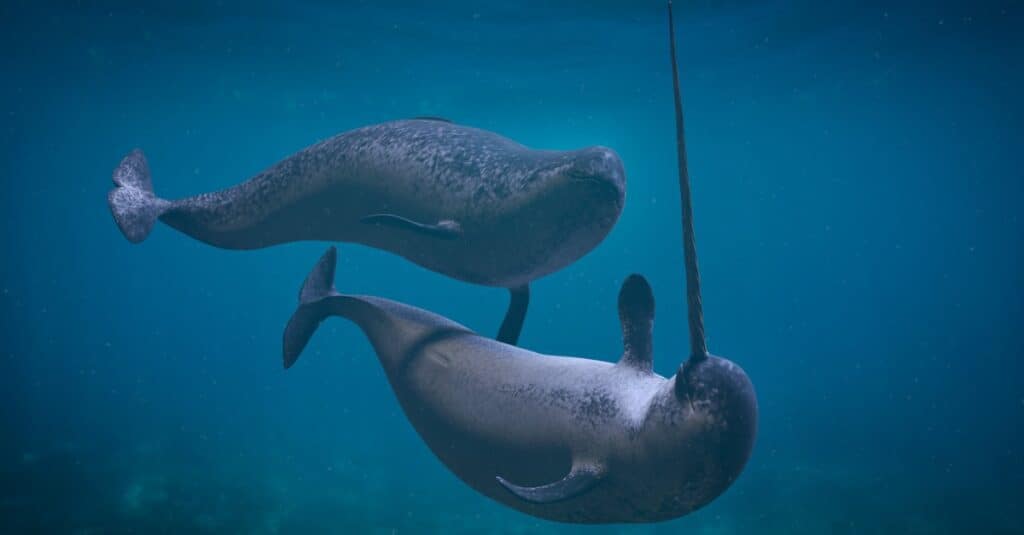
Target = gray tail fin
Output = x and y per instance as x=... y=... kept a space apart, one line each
x=132 y=202
x=319 y=285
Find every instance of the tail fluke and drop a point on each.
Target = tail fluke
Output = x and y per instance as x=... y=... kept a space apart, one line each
x=132 y=202
x=319 y=285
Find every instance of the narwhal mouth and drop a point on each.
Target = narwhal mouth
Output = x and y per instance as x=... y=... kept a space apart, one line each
x=598 y=167
x=600 y=190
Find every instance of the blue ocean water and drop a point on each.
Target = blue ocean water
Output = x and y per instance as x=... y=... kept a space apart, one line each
x=857 y=176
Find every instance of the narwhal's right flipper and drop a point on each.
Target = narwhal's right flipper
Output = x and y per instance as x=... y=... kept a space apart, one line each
x=512 y=325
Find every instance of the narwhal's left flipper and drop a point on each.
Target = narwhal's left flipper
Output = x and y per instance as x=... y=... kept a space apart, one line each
x=512 y=325
x=582 y=478
x=445 y=230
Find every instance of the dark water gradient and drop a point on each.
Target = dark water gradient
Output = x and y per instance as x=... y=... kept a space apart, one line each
x=857 y=174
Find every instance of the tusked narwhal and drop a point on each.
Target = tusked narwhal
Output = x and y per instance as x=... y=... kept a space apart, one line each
x=562 y=438
x=461 y=201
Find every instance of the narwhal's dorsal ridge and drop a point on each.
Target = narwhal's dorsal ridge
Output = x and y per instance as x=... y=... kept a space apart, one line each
x=582 y=478
x=432 y=118
x=636 y=312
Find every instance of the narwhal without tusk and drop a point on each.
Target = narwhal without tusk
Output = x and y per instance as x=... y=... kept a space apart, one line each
x=460 y=201
x=562 y=438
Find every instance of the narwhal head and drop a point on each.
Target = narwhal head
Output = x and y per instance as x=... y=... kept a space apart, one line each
x=571 y=201
x=716 y=407
x=594 y=175
x=699 y=433
x=699 y=429
x=579 y=186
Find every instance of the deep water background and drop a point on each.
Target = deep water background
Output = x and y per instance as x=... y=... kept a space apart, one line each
x=857 y=181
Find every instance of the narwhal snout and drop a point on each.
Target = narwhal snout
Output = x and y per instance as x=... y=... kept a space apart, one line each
x=724 y=396
x=601 y=166
x=723 y=387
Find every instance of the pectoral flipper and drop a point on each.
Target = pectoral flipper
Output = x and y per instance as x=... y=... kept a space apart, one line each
x=581 y=479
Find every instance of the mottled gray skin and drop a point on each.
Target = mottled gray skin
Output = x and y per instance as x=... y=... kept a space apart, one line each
x=521 y=213
x=661 y=447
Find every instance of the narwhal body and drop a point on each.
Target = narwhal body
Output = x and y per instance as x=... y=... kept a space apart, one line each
x=563 y=438
x=461 y=201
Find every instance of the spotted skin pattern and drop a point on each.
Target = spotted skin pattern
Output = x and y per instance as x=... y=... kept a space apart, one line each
x=520 y=213
x=562 y=438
